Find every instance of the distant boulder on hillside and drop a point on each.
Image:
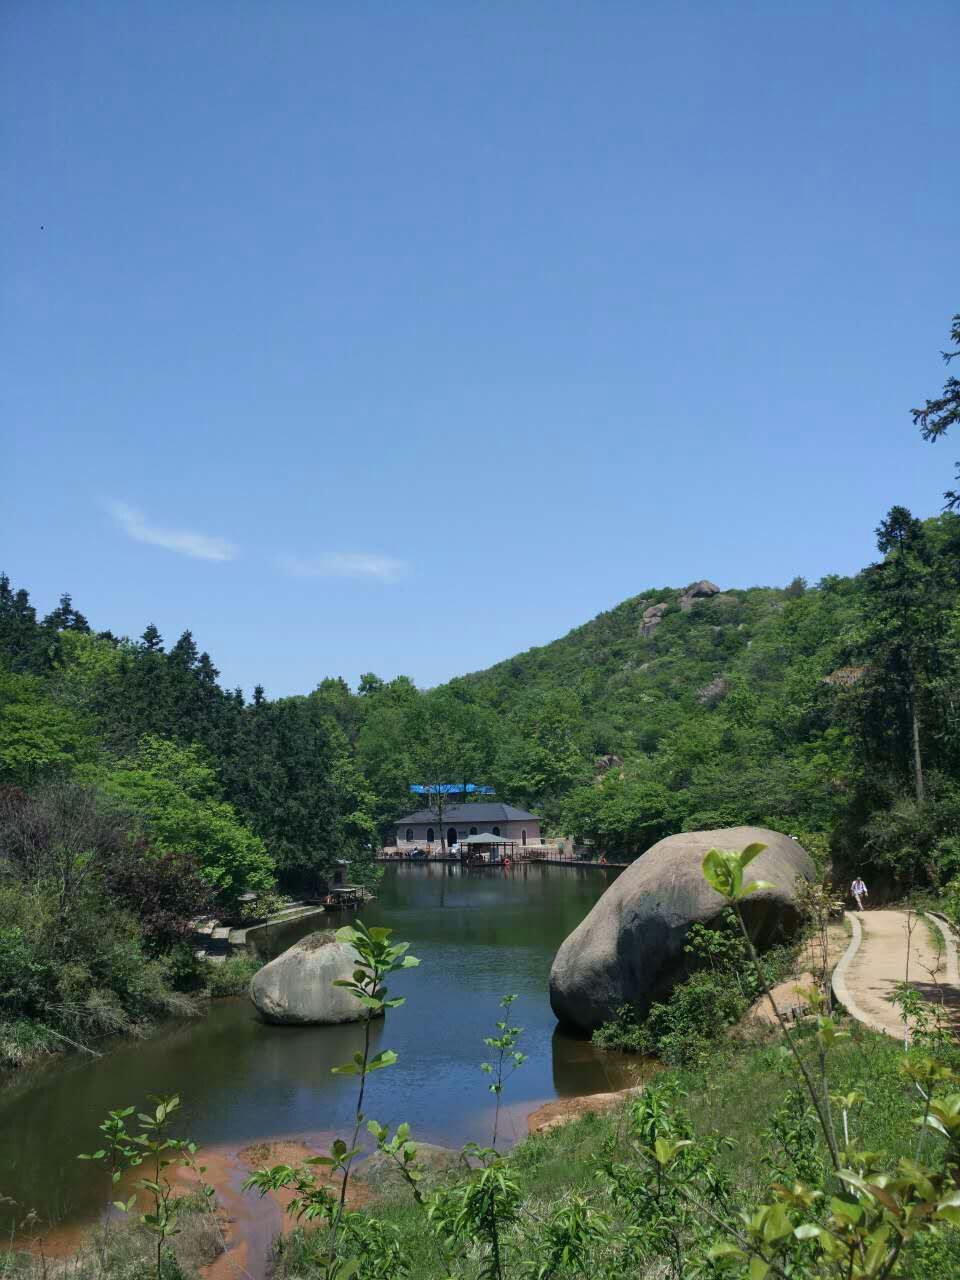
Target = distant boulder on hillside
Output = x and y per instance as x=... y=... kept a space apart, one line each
x=629 y=949
x=714 y=692
x=652 y=618
x=696 y=592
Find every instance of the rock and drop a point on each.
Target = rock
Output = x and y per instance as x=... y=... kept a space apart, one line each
x=696 y=592
x=380 y=1170
x=652 y=618
x=845 y=677
x=605 y=763
x=629 y=949
x=553 y=1114
x=714 y=692
x=298 y=988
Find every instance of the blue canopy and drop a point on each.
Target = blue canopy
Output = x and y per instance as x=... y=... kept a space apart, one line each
x=450 y=789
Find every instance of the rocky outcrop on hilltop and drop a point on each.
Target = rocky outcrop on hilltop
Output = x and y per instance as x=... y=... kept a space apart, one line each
x=696 y=592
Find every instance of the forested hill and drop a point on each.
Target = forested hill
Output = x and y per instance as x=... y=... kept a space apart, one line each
x=828 y=711
x=136 y=792
x=682 y=707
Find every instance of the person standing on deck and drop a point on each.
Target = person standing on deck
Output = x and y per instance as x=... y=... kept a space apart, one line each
x=859 y=891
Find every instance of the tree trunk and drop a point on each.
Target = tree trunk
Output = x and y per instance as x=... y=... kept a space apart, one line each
x=917 y=763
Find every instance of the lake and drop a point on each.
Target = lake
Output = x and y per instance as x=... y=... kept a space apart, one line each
x=479 y=934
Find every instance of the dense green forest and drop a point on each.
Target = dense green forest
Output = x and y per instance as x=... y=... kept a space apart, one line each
x=136 y=792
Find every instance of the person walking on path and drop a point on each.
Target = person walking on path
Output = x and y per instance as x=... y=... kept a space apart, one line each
x=859 y=891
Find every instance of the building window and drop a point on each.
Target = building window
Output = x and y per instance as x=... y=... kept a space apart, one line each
x=496 y=831
x=429 y=835
x=473 y=831
x=523 y=837
x=452 y=836
x=409 y=835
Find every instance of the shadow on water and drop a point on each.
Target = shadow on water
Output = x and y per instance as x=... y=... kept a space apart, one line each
x=479 y=935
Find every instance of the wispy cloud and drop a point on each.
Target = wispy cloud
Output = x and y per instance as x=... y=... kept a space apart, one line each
x=347 y=564
x=198 y=545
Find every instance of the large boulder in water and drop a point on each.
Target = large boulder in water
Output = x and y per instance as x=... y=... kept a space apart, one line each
x=298 y=987
x=629 y=949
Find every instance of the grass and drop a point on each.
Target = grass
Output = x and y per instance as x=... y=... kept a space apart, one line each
x=935 y=934
x=125 y=1250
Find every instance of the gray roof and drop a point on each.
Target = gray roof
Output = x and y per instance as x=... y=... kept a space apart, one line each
x=487 y=837
x=472 y=813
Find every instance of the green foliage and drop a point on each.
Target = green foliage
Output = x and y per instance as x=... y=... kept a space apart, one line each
x=508 y=1059
x=938 y=415
x=154 y=1150
x=625 y=1032
x=177 y=796
x=232 y=977
x=685 y=1028
x=39 y=737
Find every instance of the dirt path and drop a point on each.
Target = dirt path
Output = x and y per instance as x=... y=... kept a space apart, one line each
x=895 y=947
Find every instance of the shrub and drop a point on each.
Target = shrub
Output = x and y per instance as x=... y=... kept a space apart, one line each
x=625 y=1033
x=232 y=978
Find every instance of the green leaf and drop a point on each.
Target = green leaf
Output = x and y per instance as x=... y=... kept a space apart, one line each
x=807 y=1231
x=386 y=1058
x=751 y=852
x=723 y=872
x=755 y=886
x=777 y=1223
x=346 y=1069
x=725 y=1249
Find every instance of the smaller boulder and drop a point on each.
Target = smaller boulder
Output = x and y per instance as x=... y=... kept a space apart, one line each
x=297 y=988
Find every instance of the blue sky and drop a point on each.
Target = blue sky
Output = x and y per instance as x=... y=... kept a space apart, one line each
x=404 y=337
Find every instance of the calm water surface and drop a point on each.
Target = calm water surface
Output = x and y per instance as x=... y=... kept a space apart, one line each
x=479 y=935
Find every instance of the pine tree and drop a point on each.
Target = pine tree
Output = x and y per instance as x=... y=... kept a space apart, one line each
x=905 y=620
x=937 y=416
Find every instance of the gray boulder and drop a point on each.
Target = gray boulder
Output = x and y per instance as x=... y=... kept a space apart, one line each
x=652 y=618
x=297 y=987
x=629 y=949
x=696 y=592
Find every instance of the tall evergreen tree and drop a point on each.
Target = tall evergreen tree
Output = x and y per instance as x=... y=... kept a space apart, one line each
x=905 y=616
x=939 y=415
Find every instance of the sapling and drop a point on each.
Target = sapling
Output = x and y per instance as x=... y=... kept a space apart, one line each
x=153 y=1145
x=376 y=959
x=509 y=1059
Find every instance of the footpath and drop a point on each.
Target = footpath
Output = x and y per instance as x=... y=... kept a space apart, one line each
x=890 y=947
